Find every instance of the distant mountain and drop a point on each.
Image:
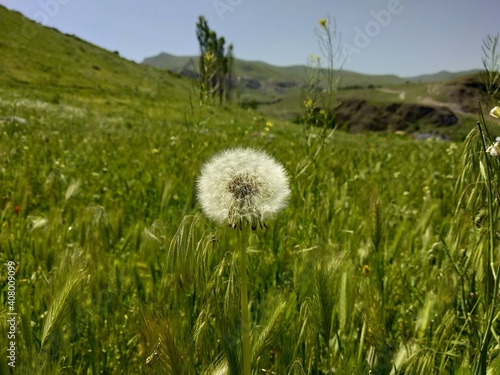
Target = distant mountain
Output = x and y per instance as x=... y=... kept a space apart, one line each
x=261 y=71
x=442 y=76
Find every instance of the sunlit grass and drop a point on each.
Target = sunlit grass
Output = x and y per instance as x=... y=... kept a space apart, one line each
x=103 y=195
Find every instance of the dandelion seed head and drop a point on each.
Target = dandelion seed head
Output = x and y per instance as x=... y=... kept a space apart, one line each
x=242 y=184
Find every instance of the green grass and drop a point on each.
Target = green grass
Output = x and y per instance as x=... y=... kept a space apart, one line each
x=114 y=259
x=380 y=263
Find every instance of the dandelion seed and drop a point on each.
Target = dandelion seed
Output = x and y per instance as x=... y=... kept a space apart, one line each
x=495 y=112
x=241 y=184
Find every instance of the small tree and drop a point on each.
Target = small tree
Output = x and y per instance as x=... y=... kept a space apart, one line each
x=215 y=64
x=229 y=72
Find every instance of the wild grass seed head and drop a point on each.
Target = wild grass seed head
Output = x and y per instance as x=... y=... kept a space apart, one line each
x=242 y=184
x=494 y=149
x=495 y=112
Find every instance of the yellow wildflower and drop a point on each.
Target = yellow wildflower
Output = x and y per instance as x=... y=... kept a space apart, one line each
x=209 y=56
x=365 y=270
x=309 y=103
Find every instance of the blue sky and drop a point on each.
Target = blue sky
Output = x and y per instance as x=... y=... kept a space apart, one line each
x=403 y=37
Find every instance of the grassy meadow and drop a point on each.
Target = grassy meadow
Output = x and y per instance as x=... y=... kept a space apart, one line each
x=385 y=260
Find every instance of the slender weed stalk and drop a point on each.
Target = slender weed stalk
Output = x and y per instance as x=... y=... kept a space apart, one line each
x=491 y=65
x=492 y=275
x=478 y=187
x=491 y=262
x=68 y=294
x=319 y=96
x=245 y=322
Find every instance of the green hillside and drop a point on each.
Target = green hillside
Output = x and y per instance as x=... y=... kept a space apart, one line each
x=57 y=67
x=441 y=76
x=44 y=57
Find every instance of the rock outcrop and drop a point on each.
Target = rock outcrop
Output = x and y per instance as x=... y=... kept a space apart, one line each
x=359 y=115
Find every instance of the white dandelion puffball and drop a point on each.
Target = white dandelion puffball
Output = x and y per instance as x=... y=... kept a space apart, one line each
x=242 y=184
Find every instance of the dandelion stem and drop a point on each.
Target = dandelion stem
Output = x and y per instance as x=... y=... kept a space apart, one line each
x=245 y=330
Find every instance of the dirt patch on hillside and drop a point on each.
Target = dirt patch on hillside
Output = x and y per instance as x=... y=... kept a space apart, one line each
x=440 y=109
x=455 y=107
x=401 y=94
x=466 y=93
x=359 y=116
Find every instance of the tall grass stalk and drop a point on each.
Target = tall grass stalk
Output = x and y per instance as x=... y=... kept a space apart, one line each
x=491 y=65
x=245 y=323
x=491 y=78
x=319 y=96
x=491 y=275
